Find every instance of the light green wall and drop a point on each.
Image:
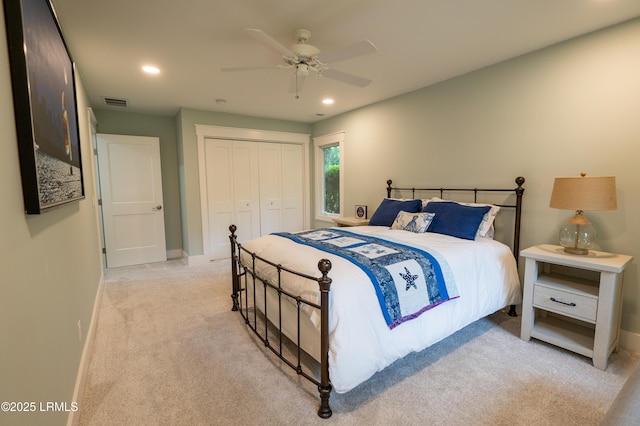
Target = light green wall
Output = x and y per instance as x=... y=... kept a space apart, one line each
x=188 y=166
x=559 y=111
x=50 y=271
x=126 y=123
x=566 y=109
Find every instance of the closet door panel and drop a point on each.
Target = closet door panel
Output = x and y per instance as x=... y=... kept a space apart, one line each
x=247 y=192
x=220 y=189
x=270 y=170
x=292 y=188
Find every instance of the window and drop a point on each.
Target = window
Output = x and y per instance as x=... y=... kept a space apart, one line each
x=332 y=179
x=329 y=156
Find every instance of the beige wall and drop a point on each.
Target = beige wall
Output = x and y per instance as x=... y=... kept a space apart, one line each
x=569 y=108
x=50 y=271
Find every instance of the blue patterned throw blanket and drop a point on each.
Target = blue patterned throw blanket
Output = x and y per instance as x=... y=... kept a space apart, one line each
x=408 y=281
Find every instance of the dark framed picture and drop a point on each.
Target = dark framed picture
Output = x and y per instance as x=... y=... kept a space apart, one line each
x=46 y=112
x=361 y=212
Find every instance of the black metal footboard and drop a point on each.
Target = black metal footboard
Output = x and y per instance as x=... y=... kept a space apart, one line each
x=245 y=285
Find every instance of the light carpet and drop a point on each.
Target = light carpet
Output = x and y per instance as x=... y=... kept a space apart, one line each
x=169 y=351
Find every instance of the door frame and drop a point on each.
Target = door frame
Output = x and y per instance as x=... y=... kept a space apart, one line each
x=97 y=194
x=254 y=135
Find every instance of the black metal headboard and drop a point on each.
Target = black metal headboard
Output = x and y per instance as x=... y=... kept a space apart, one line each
x=519 y=191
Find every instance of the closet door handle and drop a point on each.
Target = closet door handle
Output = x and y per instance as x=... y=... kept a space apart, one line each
x=156 y=208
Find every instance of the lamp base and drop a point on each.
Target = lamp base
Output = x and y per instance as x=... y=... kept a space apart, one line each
x=578 y=235
x=576 y=250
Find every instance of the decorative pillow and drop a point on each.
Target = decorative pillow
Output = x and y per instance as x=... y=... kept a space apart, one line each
x=455 y=219
x=485 y=230
x=389 y=208
x=414 y=222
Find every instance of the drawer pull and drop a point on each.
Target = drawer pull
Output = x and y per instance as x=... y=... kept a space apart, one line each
x=553 y=299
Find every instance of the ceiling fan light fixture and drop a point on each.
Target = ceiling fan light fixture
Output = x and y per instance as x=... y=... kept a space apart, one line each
x=302 y=69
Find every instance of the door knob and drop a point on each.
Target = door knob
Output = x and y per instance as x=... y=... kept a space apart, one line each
x=158 y=207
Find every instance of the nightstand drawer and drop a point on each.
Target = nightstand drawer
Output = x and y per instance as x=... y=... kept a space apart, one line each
x=579 y=306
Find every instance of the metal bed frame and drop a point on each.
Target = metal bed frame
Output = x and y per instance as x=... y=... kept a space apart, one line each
x=245 y=280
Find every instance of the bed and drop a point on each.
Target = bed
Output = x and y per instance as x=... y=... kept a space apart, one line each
x=357 y=299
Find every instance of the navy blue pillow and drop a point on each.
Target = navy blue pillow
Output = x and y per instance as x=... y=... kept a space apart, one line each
x=388 y=209
x=455 y=219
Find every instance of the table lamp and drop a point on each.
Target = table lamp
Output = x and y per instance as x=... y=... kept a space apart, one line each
x=582 y=193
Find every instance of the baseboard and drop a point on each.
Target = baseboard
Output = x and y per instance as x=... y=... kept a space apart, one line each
x=630 y=341
x=78 y=391
x=195 y=260
x=174 y=254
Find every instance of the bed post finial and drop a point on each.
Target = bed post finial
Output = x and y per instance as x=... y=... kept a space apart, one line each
x=324 y=387
x=235 y=284
x=389 y=182
x=516 y=237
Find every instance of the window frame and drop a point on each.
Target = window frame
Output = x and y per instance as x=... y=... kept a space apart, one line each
x=321 y=142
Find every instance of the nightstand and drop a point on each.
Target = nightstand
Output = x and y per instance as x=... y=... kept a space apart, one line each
x=573 y=301
x=351 y=221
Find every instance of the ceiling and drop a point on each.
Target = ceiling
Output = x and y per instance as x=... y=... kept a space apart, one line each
x=419 y=43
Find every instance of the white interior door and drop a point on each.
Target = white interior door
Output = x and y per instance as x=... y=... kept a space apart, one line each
x=131 y=188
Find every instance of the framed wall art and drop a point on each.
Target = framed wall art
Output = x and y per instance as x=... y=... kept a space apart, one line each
x=44 y=98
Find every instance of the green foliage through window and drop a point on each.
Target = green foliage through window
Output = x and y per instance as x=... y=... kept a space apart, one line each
x=332 y=179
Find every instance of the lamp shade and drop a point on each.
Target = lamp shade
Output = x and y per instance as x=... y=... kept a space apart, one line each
x=584 y=193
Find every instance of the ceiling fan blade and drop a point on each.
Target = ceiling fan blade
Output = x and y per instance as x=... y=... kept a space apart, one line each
x=269 y=41
x=233 y=69
x=354 y=80
x=363 y=47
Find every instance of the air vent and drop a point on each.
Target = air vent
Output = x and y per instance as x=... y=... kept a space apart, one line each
x=116 y=102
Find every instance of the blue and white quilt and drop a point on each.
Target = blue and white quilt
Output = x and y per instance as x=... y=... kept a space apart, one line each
x=408 y=281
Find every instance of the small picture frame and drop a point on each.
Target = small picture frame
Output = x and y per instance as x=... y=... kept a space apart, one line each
x=361 y=212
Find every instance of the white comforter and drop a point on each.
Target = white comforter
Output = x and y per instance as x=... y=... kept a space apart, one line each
x=361 y=343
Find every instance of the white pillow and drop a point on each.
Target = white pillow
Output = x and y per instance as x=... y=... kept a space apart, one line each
x=424 y=200
x=414 y=222
x=485 y=230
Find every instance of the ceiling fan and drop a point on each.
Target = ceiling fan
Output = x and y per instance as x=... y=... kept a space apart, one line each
x=304 y=58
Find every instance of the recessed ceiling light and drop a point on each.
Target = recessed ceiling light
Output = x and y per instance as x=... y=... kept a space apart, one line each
x=149 y=69
x=327 y=101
